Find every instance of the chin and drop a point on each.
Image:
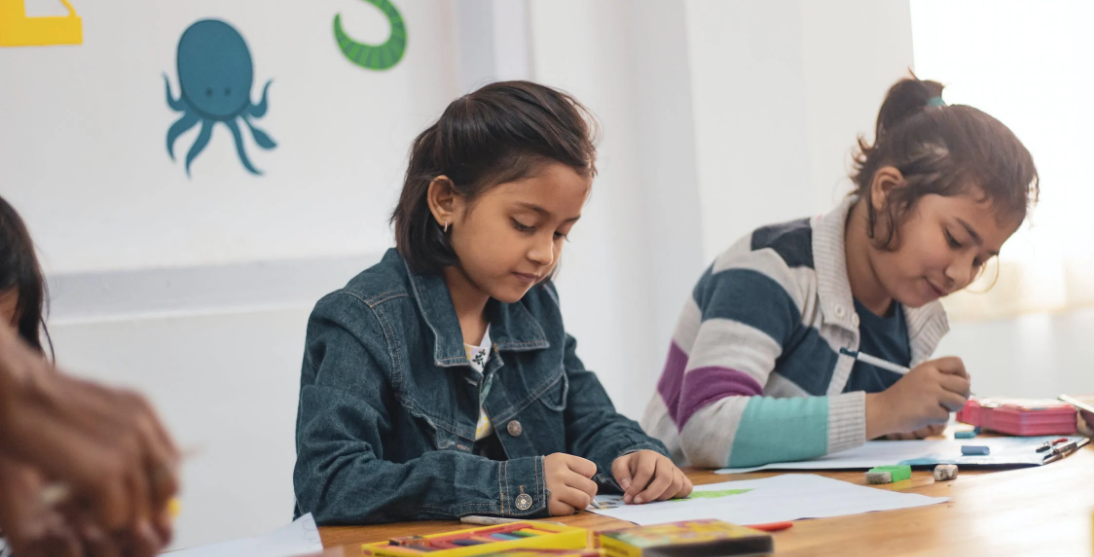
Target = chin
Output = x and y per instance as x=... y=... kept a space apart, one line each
x=509 y=295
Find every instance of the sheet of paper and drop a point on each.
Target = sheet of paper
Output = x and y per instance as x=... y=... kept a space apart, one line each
x=1005 y=451
x=294 y=540
x=774 y=499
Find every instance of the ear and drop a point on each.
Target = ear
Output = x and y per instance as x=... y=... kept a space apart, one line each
x=885 y=179
x=444 y=202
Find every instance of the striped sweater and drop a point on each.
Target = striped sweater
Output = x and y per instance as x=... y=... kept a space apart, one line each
x=754 y=373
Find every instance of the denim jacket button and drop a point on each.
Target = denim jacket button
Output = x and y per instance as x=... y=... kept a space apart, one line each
x=524 y=501
x=515 y=429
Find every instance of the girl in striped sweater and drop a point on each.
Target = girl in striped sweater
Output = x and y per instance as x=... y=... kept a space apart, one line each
x=754 y=373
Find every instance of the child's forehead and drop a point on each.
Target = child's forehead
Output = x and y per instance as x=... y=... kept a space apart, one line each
x=556 y=188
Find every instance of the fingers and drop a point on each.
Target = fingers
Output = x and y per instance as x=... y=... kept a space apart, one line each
x=938 y=414
x=161 y=454
x=675 y=485
x=97 y=543
x=568 y=500
x=951 y=402
x=165 y=527
x=955 y=384
x=642 y=471
x=143 y=541
x=583 y=484
x=582 y=466
x=662 y=479
x=686 y=489
x=621 y=471
x=654 y=478
x=951 y=365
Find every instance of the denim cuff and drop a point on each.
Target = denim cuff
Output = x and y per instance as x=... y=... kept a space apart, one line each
x=522 y=483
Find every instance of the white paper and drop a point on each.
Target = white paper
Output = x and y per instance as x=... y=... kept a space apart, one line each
x=294 y=540
x=1005 y=451
x=774 y=499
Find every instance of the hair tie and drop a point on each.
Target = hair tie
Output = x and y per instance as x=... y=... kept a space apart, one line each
x=936 y=101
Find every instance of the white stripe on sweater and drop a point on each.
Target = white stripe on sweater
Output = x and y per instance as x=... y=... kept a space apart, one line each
x=704 y=440
x=687 y=327
x=734 y=345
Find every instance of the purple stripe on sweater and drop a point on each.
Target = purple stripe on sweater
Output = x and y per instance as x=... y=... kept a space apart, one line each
x=672 y=377
x=705 y=385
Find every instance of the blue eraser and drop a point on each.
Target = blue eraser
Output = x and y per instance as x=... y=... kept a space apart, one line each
x=975 y=450
x=965 y=434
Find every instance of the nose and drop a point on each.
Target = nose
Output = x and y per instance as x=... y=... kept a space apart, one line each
x=960 y=272
x=542 y=250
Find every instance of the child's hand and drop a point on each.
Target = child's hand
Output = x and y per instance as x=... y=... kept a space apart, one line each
x=569 y=478
x=929 y=431
x=649 y=476
x=106 y=445
x=923 y=397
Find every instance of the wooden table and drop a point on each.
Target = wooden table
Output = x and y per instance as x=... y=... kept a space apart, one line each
x=1030 y=511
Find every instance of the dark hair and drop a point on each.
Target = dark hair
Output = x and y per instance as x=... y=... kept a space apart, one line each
x=502 y=132
x=19 y=270
x=944 y=150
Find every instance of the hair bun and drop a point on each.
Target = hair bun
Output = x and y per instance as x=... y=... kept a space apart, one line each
x=905 y=99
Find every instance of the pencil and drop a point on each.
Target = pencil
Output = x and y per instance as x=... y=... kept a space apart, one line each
x=879 y=363
x=874 y=361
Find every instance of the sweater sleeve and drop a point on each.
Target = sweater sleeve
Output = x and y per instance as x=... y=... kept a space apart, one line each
x=749 y=317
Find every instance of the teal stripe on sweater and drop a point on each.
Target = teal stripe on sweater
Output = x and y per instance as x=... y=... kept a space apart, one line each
x=780 y=430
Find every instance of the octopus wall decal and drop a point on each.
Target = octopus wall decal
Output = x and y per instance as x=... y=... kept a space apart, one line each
x=215 y=73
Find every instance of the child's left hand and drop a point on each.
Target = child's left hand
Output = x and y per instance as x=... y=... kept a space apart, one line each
x=648 y=476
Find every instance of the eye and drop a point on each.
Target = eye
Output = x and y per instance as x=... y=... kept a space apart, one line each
x=561 y=236
x=522 y=227
x=228 y=92
x=952 y=241
x=208 y=92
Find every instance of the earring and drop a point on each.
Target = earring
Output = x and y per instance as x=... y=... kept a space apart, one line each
x=446 y=227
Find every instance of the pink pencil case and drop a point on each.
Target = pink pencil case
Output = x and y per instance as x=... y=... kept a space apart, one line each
x=1023 y=417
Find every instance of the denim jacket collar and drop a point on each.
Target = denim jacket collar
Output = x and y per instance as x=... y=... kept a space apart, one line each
x=512 y=327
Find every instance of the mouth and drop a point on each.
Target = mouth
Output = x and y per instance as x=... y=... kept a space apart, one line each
x=938 y=292
x=528 y=278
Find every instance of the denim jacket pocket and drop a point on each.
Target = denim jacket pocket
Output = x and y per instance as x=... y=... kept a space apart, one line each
x=554 y=396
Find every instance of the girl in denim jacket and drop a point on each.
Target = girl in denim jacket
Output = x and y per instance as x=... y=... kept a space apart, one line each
x=441 y=382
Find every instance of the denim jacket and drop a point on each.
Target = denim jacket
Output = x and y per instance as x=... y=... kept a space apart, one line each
x=388 y=405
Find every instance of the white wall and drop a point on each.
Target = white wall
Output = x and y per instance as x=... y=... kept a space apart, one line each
x=1033 y=356
x=84 y=136
x=634 y=255
x=781 y=90
x=226 y=385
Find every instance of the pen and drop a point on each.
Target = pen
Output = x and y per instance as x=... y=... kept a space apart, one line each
x=878 y=362
x=874 y=361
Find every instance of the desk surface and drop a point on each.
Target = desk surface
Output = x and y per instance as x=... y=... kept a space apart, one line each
x=1030 y=511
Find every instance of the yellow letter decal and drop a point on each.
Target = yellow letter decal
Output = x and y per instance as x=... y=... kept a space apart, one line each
x=16 y=29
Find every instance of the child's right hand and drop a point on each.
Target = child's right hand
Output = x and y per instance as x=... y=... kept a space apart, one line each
x=924 y=396
x=569 y=478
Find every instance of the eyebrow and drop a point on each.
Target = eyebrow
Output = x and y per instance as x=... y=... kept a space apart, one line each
x=544 y=212
x=975 y=237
